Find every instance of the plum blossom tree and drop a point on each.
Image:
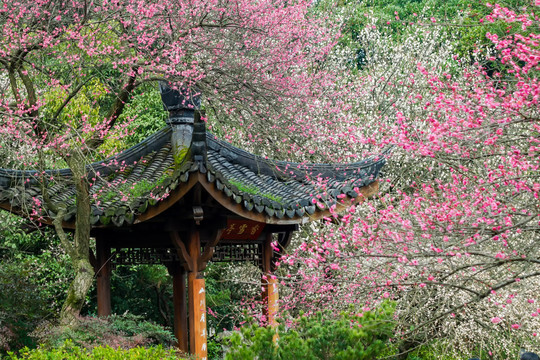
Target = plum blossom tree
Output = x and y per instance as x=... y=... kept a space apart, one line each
x=453 y=236
x=68 y=68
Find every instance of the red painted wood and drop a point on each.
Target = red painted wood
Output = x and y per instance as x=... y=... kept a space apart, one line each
x=270 y=293
x=197 y=317
x=196 y=301
x=239 y=229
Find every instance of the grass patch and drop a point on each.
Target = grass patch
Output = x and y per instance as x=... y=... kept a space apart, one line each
x=253 y=190
x=135 y=190
x=69 y=351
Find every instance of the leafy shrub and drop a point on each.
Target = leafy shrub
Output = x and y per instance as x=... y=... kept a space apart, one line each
x=143 y=290
x=125 y=331
x=69 y=351
x=21 y=306
x=321 y=336
x=215 y=348
x=146 y=110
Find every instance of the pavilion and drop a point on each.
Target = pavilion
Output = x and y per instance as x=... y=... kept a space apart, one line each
x=183 y=198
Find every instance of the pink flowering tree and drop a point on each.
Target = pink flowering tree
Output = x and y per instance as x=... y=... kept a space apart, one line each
x=68 y=68
x=453 y=235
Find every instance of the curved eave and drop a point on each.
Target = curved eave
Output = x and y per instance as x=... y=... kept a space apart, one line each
x=225 y=201
x=238 y=209
x=287 y=169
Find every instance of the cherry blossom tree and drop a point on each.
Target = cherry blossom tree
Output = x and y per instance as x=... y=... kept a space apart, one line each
x=68 y=68
x=453 y=236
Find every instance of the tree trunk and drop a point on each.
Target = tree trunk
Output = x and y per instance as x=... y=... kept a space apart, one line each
x=76 y=296
x=78 y=250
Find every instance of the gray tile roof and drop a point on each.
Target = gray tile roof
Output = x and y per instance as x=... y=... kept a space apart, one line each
x=130 y=183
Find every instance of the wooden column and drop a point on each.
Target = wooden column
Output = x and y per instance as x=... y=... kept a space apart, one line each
x=196 y=300
x=180 y=310
x=270 y=293
x=103 y=254
x=194 y=262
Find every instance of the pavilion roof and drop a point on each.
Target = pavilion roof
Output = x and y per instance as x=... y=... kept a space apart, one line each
x=127 y=186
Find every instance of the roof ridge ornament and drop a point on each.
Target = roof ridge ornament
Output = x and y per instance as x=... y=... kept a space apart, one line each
x=181 y=103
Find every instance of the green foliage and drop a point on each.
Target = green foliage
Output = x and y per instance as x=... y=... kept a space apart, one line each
x=33 y=280
x=320 y=336
x=135 y=190
x=83 y=107
x=144 y=290
x=14 y=239
x=133 y=325
x=142 y=187
x=445 y=349
x=69 y=351
x=145 y=112
x=22 y=306
x=224 y=294
x=249 y=189
x=460 y=20
x=126 y=331
x=214 y=349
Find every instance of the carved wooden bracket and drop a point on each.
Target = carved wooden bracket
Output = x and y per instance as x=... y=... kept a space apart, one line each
x=209 y=249
x=189 y=263
x=199 y=263
x=284 y=240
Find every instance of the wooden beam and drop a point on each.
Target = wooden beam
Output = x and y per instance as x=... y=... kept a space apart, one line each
x=209 y=249
x=103 y=287
x=183 y=254
x=272 y=301
x=197 y=317
x=267 y=253
x=285 y=239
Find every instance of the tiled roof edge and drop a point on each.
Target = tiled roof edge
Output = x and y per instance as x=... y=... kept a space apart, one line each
x=134 y=153
x=277 y=168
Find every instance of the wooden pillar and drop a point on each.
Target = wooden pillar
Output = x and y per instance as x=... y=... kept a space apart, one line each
x=180 y=310
x=196 y=300
x=195 y=261
x=270 y=293
x=103 y=254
